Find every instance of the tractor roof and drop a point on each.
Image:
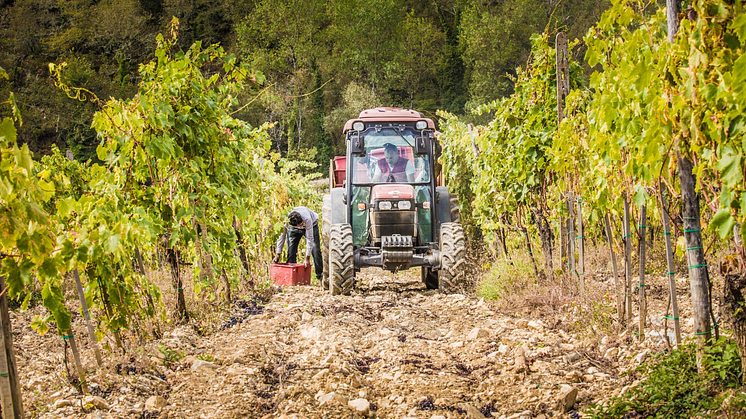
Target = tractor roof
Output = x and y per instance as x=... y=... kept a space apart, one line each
x=389 y=115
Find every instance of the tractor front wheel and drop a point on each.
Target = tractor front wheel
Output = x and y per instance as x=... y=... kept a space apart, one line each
x=452 y=254
x=341 y=259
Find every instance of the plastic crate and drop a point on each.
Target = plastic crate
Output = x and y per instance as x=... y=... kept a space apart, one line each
x=340 y=166
x=290 y=274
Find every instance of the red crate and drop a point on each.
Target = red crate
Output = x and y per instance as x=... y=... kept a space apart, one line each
x=290 y=274
x=340 y=166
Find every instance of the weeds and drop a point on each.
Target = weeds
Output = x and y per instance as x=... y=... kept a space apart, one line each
x=673 y=388
x=170 y=357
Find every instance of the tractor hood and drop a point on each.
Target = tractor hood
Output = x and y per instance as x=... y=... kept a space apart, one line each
x=392 y=191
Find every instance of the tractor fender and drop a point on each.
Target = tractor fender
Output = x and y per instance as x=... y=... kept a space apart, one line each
x=442 y=206
x=339 y=208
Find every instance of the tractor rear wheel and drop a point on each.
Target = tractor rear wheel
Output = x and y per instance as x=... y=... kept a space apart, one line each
x=453 y=207
x=452 y=254
x=341 y=259
x=430 y=278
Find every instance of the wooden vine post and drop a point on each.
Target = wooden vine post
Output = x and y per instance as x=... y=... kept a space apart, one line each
x=617 y=286
x=571 y=234
x=10 y=388
x=84 y=304
x=580 y=238
x=670 y=273
x=563 y=89
x=70 y=339
x=627 y=264
x=87 y=316
x=641 y=286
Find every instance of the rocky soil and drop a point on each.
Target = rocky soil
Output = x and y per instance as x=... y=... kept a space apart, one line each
x=390 y=350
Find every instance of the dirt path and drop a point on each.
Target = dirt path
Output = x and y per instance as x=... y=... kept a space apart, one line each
x=390 y=350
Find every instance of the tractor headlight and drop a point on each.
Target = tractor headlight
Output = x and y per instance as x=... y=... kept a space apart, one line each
x=404 y=205
x=358 y=126
x=384 y=205
x=421 y=125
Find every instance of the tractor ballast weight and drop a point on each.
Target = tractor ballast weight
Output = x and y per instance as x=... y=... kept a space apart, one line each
x=389 y=210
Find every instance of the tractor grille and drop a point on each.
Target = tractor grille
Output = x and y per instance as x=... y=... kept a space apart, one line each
x=397 y=241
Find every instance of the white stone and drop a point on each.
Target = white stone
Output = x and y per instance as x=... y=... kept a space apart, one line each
x=641 y=357
x=155 y=403
x=312 y=333
x=611 y=353
x=472 y=412
x=360 y=406
x=97 y=402
x=566 y=398
x=536 y=325
x=205 y=367
x=477 y=333
x=62 y=403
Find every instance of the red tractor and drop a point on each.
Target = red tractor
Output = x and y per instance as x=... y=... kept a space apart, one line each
x=386 y=208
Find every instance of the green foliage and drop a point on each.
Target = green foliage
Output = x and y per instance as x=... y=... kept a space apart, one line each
x=673 y=387
x=510 y=175
x=27 y=239
x=180 y=172
x=618 y=140
x=422 y=55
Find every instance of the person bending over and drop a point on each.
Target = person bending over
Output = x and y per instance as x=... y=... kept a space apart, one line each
x=301 y=222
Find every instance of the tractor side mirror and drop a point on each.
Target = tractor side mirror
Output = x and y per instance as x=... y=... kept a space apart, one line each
x=421 y=145
x=357 y=144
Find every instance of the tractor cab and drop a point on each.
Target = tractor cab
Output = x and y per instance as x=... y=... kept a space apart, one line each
x=389 y=211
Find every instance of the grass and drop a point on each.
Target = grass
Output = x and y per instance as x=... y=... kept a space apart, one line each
x=506 y=278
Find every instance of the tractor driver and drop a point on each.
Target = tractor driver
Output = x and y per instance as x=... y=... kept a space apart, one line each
x=393 y=168
x=301 y=222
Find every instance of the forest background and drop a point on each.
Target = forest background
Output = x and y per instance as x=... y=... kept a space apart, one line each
x=319 y=61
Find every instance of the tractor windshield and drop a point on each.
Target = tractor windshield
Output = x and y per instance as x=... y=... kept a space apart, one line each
x=389 y=157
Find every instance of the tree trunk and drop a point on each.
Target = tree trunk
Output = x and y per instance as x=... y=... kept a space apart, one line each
x=242 y=253
x=617 y=286
x=148 y=296
x=698 y=276
x=671 y=273
x=545 y=234
x=531 y=254
x=581 y=248
x=503 y=240
x=227 y=288
x=571 y=235
x=173 y=261
x=734 y=287
x=627 y=264
x=11 y=389
x=563 y=246
x=110 y=314
x=642 y=300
